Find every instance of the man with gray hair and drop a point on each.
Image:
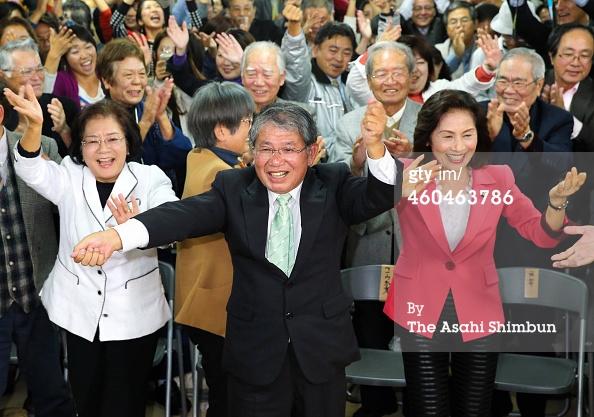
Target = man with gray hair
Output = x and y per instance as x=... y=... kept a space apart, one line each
x=530 y=123
x=263 y=72
x=20 y=64
x=538 y=135
x=388 y=67
x=289 y=334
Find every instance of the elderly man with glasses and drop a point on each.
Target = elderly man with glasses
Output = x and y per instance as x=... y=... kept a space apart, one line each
x=20 y=64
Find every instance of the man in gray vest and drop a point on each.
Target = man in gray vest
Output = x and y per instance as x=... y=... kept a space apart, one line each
x=28 y=248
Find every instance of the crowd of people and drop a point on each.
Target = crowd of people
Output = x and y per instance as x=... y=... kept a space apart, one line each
x=264 y=145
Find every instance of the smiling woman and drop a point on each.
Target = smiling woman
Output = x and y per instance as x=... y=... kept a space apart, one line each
x=110 y=314
x=78 y=81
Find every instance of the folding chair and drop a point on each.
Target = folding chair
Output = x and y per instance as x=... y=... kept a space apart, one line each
x=376 y=367
x=538 y=374
x=168 y=280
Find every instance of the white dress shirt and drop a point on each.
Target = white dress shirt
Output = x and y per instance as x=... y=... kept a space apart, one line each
x=567 y=99
x=134 y=234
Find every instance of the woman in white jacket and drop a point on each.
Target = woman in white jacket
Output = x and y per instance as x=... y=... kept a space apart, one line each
x=111 y=314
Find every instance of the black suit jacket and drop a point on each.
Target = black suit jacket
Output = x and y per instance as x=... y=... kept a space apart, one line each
x=265 y=308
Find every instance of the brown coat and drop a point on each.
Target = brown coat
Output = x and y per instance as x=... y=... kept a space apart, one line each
x=204 y=272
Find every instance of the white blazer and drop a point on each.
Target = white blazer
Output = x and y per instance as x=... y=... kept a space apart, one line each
x=124 y=297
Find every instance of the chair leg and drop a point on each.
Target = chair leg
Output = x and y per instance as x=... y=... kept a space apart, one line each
x=180 y=364
x=195 y=400
x=169 y=365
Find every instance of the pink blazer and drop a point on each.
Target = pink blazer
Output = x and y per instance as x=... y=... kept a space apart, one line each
x=427 y=270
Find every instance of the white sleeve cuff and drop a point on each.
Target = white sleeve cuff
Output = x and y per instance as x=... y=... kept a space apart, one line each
x=133 y=234
x=577 y=128
x=384 y=169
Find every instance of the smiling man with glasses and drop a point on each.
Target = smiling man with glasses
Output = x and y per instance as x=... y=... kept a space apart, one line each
x=568 y=85
x=20 y=64
x=518 y=119
x=457 y=50
x=288 y=334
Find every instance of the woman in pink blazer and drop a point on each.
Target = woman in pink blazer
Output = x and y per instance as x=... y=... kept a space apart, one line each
x=446 y=271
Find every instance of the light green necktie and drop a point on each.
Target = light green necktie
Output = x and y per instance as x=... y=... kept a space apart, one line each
x=280 y=246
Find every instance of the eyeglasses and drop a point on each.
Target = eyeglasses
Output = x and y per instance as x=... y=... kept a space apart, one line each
x=517 y=85
x=286 y=153
x=383 y=76
x=245 y=9
x=248 y=120
x=569 y=56
x=427 y=8
x=462 y=21
x=93 y=143
x=26 y=72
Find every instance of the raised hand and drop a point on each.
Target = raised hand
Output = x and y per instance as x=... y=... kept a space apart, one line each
x=293 y=15
x=410 y=185
x=61 y=41
x=26 y=104
x=56 y=111
x=581 y=253
x=178 y=35
x=495 y=112
x=229 y=48
x=364 y=25
x=96 y=248
x=490 y=46
x=142 y=42
x=373 y=125
x=572 y=182
x=121 y=210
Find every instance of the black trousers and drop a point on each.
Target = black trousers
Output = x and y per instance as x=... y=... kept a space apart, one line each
x=211 y=348
x=109 y=379
x=38 y=348
x=431 y=391
x=290 y=395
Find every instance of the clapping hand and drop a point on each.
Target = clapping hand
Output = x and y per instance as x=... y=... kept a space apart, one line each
x=553 y=94
x=398 y=144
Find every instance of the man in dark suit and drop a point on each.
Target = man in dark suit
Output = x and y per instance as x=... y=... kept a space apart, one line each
x=569 y=87
x=289 y=332
x=534 y=139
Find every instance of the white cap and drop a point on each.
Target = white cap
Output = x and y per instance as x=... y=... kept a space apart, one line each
x=502 y=23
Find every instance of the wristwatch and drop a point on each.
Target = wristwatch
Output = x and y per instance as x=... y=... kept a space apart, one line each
x=528 y=136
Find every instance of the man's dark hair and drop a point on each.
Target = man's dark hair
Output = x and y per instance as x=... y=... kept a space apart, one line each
x=332 y=29
x=288 y=117
x=458 y=4
x=560 y=30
